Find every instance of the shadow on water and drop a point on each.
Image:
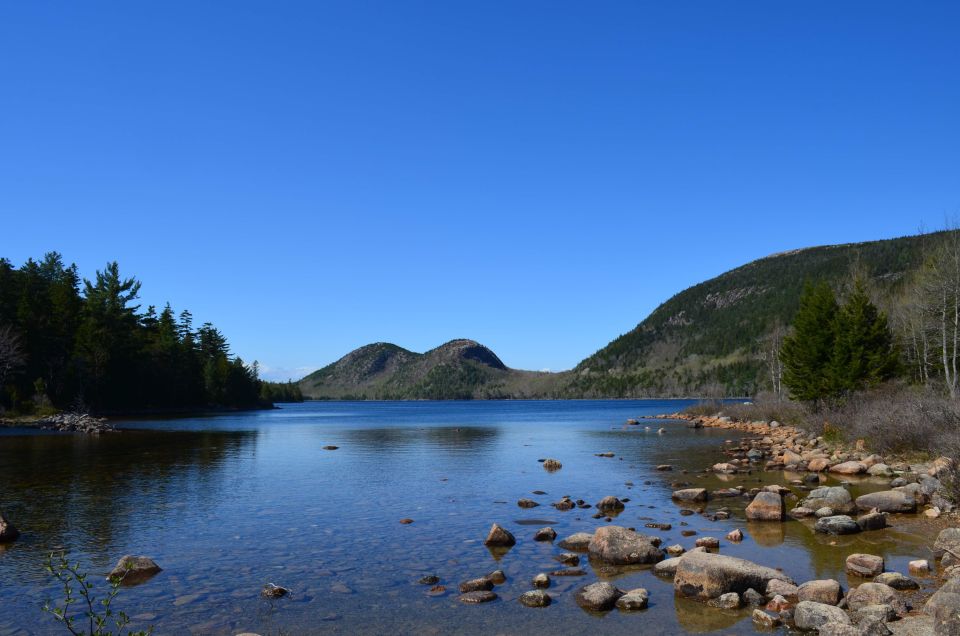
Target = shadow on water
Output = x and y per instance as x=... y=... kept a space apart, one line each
x=78 y=491
x=443 y=438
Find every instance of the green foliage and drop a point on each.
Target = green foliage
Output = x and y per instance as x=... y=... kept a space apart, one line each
x=280 y=392
x=834 y=350
x=91 y=346
x=80 y=611
x=808 y=352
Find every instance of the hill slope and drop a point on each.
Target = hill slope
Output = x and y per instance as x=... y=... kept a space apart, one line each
x=459 y=369
x=708 y=339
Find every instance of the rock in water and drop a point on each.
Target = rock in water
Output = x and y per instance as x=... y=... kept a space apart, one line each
x=633 y=600
x=552 y=465
x=578 y=541
x=527 y=503
x=691 y=494
x=849 y=468
x=476 y=585
x=826 y=591
x=535 y=598
x=474 y=598
x=545 y=534
x=897 y=581
x=869 y=594
x=864 y=565
x=837 y=524
x=8 y=532
x=499 y=537
x=766 y=506
x=704 y=576
x=834 y=497
x=272 y=591
x=598 y=597
x=133 y=570
x=609 y=503
x=887 y=501
x=620 y=546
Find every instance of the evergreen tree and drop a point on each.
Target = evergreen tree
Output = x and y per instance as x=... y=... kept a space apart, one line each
x=807 y=352
x=864 y=351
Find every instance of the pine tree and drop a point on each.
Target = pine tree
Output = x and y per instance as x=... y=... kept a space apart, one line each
x=864 y=352
x=808 y=351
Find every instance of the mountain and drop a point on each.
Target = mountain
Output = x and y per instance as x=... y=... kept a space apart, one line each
x=709 y=339
x=459 y=369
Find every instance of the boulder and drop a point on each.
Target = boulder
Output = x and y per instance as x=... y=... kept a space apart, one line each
x=849 y=468
x=897 y=581
x=133 y=570
x=702 y=575
x=887 y=501
x=818 y=464
x=875 y=594
x=911 y=626
x=836 y=498
x=776 y=587
x=535 y=598
x=735 y=535
x=872 y=521
x=825 y=591
x=920 y=567
x=691 y=494
x=527 y=503
x=633 y=600
x=545 y=534
x=708 y=543
x=765 y=620
x=499 y=537
x=620 y=546
x=864 y=565
x=578 y=541
x=730 y=601
x=801 y=513
x=610 y=504
x=880 y=470
x=598 y=597
x=948 y=541
x=837 y=524
x=8 y=532
x=944 y=607
x=766 y=506
x=667 y=567
x=883 y=613
x=812 y=615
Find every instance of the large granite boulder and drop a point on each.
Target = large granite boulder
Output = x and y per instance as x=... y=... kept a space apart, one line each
x=620 y=546
x=887 y=501
x=133 y=570
x=766 y=506
x=704 y=576
x=825 y=591
x=499 y=537
x=598 y=597
x=875 y=594
x=813 y=615
x=837 y=524
x=836 y=498
x=944 y=607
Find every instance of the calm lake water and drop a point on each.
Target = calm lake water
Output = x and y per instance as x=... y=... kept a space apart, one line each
x=228 y=503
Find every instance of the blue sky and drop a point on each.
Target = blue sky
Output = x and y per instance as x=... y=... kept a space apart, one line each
x=538 y=176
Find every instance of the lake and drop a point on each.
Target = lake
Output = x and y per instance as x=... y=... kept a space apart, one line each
x=228 y=503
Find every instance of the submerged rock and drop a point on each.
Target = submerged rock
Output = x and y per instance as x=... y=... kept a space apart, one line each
x=474 y=598
x=552 y=464
x=690 y=494
x=272 y=591
x=610 y=503
x=535 y=598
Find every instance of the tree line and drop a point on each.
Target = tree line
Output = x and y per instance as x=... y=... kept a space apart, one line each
x=77 y=344
x=839 y=344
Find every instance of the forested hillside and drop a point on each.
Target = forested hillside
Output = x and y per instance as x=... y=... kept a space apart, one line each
x=714 y=338
x=68 y=343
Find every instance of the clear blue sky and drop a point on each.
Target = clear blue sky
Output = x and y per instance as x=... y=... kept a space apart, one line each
x=538 y=176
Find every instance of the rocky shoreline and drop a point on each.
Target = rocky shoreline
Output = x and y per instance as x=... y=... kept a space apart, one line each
x=65 y=422
x=879 y=605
